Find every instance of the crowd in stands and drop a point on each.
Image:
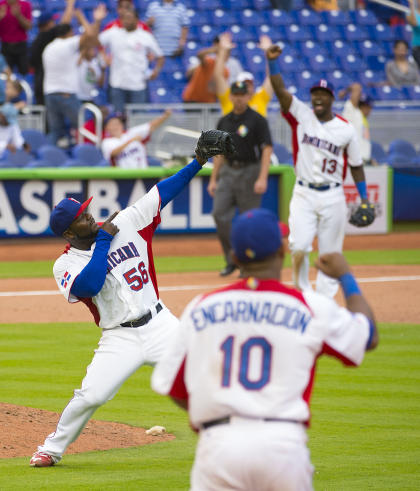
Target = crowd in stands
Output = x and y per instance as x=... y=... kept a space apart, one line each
x=161 y=51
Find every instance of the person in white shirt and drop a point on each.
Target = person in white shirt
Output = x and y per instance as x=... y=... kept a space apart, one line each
x=61 y=79
x=126 y=149
x=356 y=110
x=91 y=73
x=325 y=145
x=11 y=138
x=130 y=48
x=243 y=362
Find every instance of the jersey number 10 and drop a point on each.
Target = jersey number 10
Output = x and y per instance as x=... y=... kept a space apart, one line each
x=251 y=345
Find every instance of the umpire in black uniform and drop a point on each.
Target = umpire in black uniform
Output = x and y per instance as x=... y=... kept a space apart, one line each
x=239 y=182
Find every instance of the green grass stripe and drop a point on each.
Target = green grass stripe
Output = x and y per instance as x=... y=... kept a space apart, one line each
x=365 y=421
x=178 y=264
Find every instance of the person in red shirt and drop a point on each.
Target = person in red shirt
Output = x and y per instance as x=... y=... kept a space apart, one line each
x=122 y=6
x=15 y=21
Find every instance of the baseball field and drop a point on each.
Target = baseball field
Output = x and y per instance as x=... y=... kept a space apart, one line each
x=365 y=429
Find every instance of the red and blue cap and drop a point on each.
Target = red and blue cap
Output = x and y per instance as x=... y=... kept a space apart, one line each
x=65 y=212
x=324 y=84
x=255 y=235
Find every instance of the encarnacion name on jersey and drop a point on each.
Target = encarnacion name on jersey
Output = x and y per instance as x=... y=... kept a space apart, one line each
x=241 y=311
x=322 y=144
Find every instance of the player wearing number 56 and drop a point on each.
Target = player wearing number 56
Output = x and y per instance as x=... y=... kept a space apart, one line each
x=324 y=146
x=110 y=268
x=243 y=362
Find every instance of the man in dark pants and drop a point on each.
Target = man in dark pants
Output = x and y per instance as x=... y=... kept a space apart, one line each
x=239 y=183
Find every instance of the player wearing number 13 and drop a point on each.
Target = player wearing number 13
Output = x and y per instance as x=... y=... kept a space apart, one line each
x=110 y=268
x=324 y=145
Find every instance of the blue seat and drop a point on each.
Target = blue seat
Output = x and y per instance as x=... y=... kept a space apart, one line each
x=35 y=139
x=256 y=63
x=388 y=93
x=87 y=155
x=207 y=34
x=162 y=95
x=276 y=33
x=289 y=63
x=364 y=17
x=250 y=17
x=354 y=32
x=308 y=17
x=262 y=5
x=301 y=93
x=237 y=4
x=381 y=32
x=208 y=4
x=320 y=63
x=279 y=18
x=341 y=48
x=198 y=18
x=242 y=34
x=153 y=161
x=224 y=18
x=336 y=17
x=295 y=32
x=413 y=92
x=325 y=33
x=402 y=32
x=402 y=148
x=351 y=63
x=339 y=79
x=20 y=158
x=378 y=153
x=311 y=49
x=370 y=77
x=369 y=48
x=192 y=33
x=376 y=63
x=283 y=155
x=53 y=155
x=171 y=65
x=306 y=79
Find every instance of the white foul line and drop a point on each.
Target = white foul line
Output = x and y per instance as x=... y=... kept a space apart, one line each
x=379 y=279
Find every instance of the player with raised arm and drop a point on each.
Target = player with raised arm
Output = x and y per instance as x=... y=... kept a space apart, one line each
x=243 y=362
x=324 y=146
x=110 y=268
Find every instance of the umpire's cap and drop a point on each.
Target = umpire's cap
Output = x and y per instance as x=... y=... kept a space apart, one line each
x=325 y=85
x=255 y=235
x=65 y=212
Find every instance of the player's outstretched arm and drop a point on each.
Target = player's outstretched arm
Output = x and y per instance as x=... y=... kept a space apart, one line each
x=284 y=96
x=335 y=265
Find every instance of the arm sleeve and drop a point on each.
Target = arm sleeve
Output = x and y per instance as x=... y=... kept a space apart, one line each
x=353 y=150
x=108 y=145
x=173 y=185
x=142 y=130
x=92 y=277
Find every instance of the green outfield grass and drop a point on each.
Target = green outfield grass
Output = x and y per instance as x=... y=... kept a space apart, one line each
x=365 y=422
x=40 y=269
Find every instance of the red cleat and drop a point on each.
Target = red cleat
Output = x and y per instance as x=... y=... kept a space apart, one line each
x=41 y=459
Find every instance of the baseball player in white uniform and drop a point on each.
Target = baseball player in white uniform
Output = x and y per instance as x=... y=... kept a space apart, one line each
x=324 y=146
x=110 y=268
x=243 y=362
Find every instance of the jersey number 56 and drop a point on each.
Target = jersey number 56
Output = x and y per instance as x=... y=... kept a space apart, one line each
x=136 y=278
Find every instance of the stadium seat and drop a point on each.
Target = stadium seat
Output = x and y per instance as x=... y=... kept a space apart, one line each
x=369 y=48
x=198 y=18
x=256 y=63
x=320 y=63
x=403 y=32
x=237 y=4
x=207 y=34
x=224 y=18
x=262 y=4
x=283 y=155
x=295 y=32
x=308 y=17
x=336 y=17
x=340 y=80
x=250 y=17
x=312 y=49
x=242 y=34
x=192 y=33
x=279 y=18
x=388 y=93
x=162 y=95
x=276 y=33
x=376 y=63
x=378 y=153
x=153 y=161
x=325 y=33
x=53 y=155
x=351 y=63
x=306 y=79
x=364 y=17
x=35 y=139
x=88 y=155
x=380 y=32
x=402 y=147
x=20 y=158
x=413 y=93
x=289 y=63
x=370 y=77
x=341 y=48
x=208 y=4
x=353 y=32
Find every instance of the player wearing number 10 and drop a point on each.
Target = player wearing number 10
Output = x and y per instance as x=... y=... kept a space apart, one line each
x=243 y=362
x=324 y=145
x=110 y=269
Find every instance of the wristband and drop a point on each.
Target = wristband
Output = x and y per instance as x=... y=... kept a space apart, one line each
x=361 y=187
x=349 y=285
x=274 y=66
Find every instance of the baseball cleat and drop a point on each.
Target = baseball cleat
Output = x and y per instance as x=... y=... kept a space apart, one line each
x=41 y=459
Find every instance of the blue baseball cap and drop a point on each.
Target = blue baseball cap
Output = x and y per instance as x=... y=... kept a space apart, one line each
x=45 y=17
x=255 y=235
x=324 y=84
x=65 y=212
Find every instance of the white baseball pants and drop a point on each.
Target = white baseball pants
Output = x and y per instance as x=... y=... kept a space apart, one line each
x=322 y=214
x=252 y=455
x=121 y=351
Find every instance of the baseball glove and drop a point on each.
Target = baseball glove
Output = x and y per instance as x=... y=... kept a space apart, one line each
x=214 y=142
x=363 y=216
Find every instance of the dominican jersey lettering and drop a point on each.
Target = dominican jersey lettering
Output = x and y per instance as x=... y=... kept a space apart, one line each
x=250 y=350
x=130 y=287
x=321 y=151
